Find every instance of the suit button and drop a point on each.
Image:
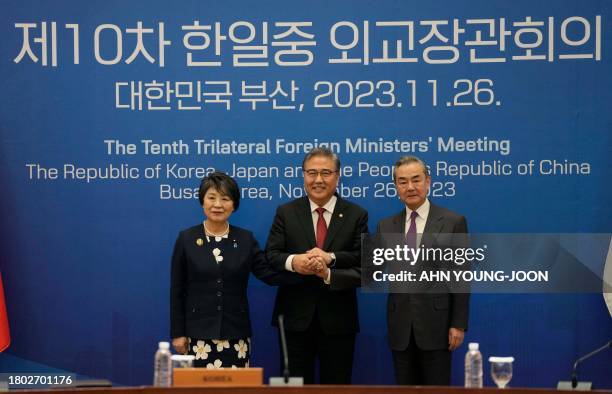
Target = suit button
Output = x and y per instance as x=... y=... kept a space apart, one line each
x=219 y=308
x=219 y=294
x=219 y=280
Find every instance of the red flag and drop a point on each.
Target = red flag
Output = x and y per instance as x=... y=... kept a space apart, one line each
x=5 y=335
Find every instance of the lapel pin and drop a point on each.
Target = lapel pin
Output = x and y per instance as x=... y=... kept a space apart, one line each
x=340 y=215
x=235 y=244
x=199 y=242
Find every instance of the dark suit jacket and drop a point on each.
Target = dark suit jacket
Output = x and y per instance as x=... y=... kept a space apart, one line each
x=429 y=315
x=292 y=232
x=209 y=300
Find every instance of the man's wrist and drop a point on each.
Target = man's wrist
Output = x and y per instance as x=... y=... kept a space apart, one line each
x=289 y=263
x=333 y=259
x=327 y=279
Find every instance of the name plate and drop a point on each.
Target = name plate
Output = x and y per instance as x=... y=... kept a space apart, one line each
x=224 y=377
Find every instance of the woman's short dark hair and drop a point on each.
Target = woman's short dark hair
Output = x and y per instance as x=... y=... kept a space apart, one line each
x=223 y=183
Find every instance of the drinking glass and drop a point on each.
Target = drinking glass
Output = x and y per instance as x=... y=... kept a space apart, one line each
x=182 y=361
x=501 y=370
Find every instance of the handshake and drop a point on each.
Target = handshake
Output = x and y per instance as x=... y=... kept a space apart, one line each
x=314 y=262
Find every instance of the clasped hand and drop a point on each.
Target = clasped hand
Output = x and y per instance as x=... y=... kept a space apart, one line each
x=314 y=262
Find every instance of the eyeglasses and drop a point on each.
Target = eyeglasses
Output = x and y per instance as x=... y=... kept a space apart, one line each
x=314 y=173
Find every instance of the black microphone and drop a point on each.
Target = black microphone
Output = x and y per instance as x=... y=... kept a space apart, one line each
x=286 y=380
x=586 y=357
x=281 y=328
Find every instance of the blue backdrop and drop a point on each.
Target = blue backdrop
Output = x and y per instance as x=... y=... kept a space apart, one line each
x=474 y=86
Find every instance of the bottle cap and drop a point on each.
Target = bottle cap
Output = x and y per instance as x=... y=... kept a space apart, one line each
x=164 y=345
x=473 y=346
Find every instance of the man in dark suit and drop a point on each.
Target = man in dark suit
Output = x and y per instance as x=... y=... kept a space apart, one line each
x=319 y=237
x=423 y=329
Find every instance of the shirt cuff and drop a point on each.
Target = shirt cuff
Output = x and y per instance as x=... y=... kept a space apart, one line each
x=327 y=280
x=288 y=262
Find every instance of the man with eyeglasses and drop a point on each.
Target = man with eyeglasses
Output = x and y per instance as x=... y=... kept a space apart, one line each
x=319 y=237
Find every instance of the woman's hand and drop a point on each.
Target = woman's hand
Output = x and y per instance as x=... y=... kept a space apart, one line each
x=181 y=345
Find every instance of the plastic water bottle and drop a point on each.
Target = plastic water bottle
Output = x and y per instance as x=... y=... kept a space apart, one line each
x=163 y=366
x=473 y=367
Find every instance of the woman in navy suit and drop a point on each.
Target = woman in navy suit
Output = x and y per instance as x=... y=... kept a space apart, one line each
x=211 y=263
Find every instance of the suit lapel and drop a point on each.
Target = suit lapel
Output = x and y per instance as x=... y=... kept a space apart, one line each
x=399 y=222
x=230 y=253
x=305 y=218
x=336 y=222
x=433 y=226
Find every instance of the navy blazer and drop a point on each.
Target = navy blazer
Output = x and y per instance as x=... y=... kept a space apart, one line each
x=208 y=300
